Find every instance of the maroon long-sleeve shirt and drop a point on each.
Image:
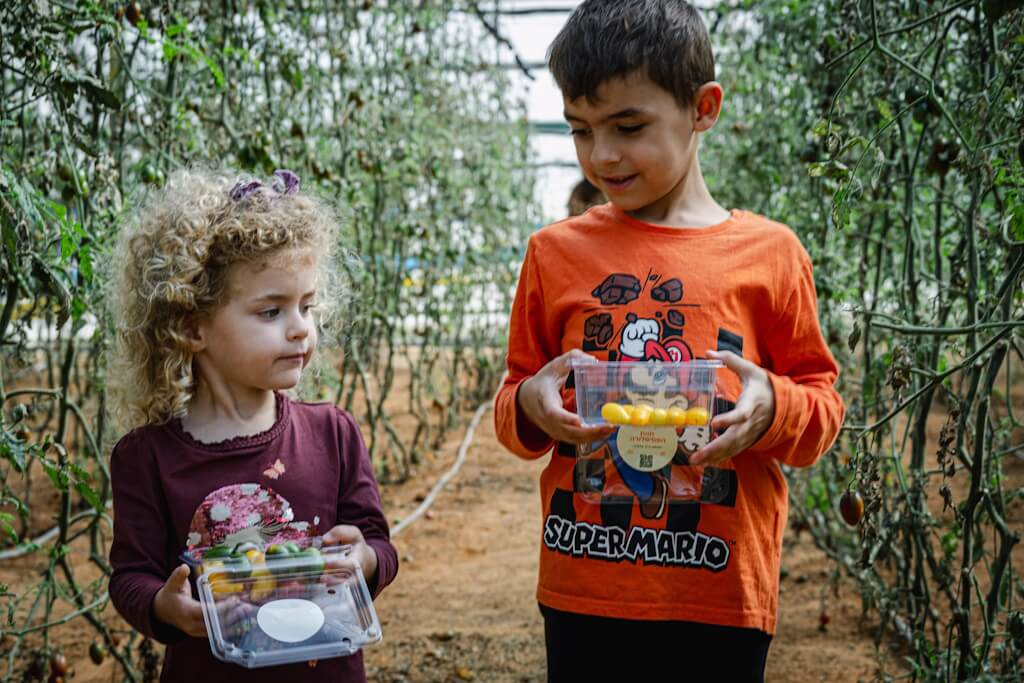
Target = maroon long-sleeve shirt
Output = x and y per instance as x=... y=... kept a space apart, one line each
x=313 y=457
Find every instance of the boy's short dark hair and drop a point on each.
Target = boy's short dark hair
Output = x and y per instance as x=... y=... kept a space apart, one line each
x=605 y=39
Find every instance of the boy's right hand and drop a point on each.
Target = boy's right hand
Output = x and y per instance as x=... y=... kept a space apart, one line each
x=540 y=400
x=175 y=605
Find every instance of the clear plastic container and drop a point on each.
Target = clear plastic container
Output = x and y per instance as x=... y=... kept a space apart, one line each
x=284 y=603
x=662 y=413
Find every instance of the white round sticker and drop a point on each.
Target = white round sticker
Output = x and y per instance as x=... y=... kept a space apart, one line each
x=290 y=620
x=646 y=448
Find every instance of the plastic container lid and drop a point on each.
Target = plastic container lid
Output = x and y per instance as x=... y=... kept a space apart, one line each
x=282 y=604
x=662 y=414
x=683 y=391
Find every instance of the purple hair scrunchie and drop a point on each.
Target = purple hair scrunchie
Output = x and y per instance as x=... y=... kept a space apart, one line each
x=284 y=182
x=244 y=190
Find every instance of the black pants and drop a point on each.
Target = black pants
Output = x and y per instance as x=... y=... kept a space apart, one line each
x=595 y=649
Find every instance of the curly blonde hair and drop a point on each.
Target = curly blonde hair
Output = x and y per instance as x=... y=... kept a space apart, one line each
x=172 y=267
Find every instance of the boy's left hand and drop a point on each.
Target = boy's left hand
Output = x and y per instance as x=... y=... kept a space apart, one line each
x=748 y=421
x=362 y=552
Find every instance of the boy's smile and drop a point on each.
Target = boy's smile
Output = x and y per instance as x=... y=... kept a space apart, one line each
x=639 y=146
x=618 y=184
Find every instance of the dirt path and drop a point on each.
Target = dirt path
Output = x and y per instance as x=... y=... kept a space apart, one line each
x=463 y=606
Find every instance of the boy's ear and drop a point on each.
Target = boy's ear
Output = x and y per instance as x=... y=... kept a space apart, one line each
x=707 y=106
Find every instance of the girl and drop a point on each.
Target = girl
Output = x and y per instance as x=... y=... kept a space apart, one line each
x=218 y=281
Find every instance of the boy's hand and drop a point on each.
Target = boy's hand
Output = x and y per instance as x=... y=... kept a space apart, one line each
x=362 y=552
x=540 y=399
x=175 y=605
x=745 y=423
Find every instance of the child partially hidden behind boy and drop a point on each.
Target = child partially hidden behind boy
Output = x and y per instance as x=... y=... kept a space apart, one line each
x=647 y=587
x=219 y=280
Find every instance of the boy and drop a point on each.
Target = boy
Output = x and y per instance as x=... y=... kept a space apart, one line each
x=644 y=585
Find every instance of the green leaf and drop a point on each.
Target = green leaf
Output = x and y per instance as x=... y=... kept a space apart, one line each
x=841 y=209
x=170 y=50
x=58 y=478
x=883 y=109
x=85 y=263
x=100 y=95
x=199 y=55
x=55 y=285
x=77 y=310
x=174 y=30
x=5 y=525
x=950 y=542
x=67 y=247
x=89 y=495
x=854 y=337
x=26 y=196
x=59 y=210
x=79 y=472
x=75 y=81
x=12 y=450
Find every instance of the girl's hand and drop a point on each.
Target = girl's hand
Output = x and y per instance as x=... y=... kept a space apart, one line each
x=540 y=399
x=362 y=552
x=175 y=605
x=748 y=421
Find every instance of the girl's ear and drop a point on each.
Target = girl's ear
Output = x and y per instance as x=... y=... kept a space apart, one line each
x=196 y=336
x=707 y=105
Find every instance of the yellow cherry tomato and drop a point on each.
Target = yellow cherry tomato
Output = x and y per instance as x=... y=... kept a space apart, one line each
x=697 y=416
x=226 y=586
x=676 y=416
x=615 y=414
x=255 y=557
x=641 y=416
x=221 y=580
x=209 y=565
x=263 y=584
x=659 y=416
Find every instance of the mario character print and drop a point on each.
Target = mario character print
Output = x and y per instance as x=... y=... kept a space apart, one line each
x=659 y=337
x=644 y=319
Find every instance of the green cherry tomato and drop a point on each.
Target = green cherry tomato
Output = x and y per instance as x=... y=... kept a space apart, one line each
x=217 y=551
x=310 y=560
x=242 y=548
x=278 y=559
x=97 y=653
x=293 y=547
x=239 y=567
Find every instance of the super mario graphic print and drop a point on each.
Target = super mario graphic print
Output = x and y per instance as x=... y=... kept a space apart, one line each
x=646 y=516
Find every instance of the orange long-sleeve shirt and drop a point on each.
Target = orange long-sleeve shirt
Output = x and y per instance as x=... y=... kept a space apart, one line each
x=622 y=289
